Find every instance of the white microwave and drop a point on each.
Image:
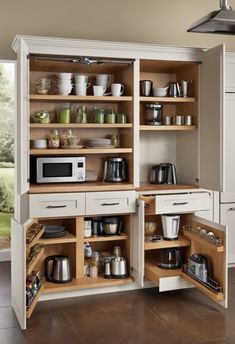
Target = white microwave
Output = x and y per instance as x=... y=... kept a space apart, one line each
x=59 y=169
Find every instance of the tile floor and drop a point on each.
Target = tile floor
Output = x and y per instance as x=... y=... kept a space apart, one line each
x=134 y=317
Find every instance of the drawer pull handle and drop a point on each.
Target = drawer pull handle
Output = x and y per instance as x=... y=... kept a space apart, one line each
x=231 y=209
x=56 y=206
x=104 y=204
x=180 y=203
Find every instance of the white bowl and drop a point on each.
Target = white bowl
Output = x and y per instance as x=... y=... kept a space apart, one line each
x=160 y=92
x=38 y=143
x=64 y=76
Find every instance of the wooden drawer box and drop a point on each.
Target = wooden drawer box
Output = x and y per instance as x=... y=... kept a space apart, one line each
x=110 y=202
x=56 y=205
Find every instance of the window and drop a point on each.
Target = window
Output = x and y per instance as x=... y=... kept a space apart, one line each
x=7 y=109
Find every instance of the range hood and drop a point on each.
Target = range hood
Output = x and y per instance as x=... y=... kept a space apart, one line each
x=221 y=21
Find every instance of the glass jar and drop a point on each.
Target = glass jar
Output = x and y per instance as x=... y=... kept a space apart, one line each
x=121 y=118
x=115 y=139
x=110 y=117
x=98 y=115
x=80 y=115
x=65 y=137
x=63 y=111
x=54 y=140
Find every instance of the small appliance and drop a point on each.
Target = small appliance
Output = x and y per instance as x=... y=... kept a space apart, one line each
x=198 y=267
x=164 y=173
x=57 y=269
x=154 y=114
x=57 y=169
x=115 y=170
x=112 y=225
x=119 y=267
x=170 y=226
x=170 y=258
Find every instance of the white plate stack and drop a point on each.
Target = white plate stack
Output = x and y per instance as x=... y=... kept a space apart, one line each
x=99 y=143
x=64 y=83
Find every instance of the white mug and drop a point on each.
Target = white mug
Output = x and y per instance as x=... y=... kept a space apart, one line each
x=117 y=90
x=80 y=79
x=102 y=80
x=80 y=89
x=98 y=90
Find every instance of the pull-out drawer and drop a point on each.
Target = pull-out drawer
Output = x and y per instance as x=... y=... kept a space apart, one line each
x=110 y=202
x=182 y=203
x=56 y=205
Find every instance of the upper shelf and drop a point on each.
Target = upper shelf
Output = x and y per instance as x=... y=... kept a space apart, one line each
x=168 y=99
x=167 y=127
x=61 y=151
x=80 y=125
x=54 y=97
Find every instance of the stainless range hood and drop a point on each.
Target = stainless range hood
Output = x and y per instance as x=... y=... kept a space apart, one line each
x=221 y=21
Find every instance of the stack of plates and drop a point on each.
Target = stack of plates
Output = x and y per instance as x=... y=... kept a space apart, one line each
x=54 y=231
x=99 y=143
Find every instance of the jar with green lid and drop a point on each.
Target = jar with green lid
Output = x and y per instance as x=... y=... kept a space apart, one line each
x=54 y=139
x=98 y=115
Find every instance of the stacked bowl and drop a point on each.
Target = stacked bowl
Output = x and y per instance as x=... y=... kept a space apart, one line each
x=81 y=84
x=64 y=84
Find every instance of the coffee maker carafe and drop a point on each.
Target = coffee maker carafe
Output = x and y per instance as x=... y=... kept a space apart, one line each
x=115 y=170
x=170 y=226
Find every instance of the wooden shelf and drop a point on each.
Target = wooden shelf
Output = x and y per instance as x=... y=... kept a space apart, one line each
x=80 y=151
x=34 y=262
x=80 y=125
x=212 y=294
x=153 y=273
x=202 y=241
x=168 y=99
x=181 y=242
x=162 y=187
x=53 y=97
x=30 y=309
x=167 y=127
x=85 y=283
x=106 y=238
x=63 y=240
x=79 y=187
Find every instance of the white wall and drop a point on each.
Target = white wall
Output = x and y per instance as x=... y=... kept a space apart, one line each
x=150 y=21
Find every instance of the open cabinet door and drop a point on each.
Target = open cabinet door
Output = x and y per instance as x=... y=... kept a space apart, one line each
x=216 y=256
x=22 y=120
x=18 y=271
x=138 y=244
x=210 y=121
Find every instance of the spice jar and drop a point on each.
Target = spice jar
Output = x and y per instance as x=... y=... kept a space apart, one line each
x=54 y=139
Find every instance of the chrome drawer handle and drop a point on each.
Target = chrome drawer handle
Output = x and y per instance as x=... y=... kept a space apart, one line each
x=104 y=204
x=180 y=203
x=56 y=206
x=231 y=209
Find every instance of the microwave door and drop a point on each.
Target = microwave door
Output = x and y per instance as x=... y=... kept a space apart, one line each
x=49 y=171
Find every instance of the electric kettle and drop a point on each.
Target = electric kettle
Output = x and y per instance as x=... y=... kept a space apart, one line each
x=170 y=226
x=57 y=269
x=115 y=170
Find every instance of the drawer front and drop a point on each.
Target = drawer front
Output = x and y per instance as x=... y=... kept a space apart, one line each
x=181 y=203
x=173 y=283
x=56 y=205
x=110 y=202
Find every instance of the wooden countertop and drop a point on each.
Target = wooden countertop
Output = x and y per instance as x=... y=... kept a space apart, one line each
x=159 y=187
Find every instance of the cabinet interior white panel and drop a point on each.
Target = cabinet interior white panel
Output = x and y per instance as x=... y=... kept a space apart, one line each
x=229 y=142
x=227 y=216
x=156 y=148
x=187 y=157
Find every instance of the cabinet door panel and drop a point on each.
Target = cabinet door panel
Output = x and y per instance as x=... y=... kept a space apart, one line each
x=210 y=122
x=217 y=258
x=227 y=217
x=229 y=144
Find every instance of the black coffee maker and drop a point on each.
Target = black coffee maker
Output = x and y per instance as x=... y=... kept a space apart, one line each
x=164 y=173
x=115 y=170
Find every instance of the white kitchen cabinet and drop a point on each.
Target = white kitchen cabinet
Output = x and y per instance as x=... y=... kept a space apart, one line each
x=195 y=150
